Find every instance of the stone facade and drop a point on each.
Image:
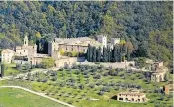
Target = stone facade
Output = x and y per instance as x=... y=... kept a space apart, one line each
x=158 y=71
x=114 y=65
x=102 y=39
x=28 y=51
x=7 y=56
x=65 y=62
x=71 y=44
x=158 y=76
x=115 y=41
x=168 y=88
x=135 y=97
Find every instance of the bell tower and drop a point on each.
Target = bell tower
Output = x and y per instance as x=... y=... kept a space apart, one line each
x=26 y=41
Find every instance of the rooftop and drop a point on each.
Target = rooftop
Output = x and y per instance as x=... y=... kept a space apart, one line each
x=131 y=93
x=82 y=41
x=7 y=51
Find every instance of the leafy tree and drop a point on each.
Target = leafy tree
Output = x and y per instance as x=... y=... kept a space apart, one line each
x=141 y=62
x=129 y=50
x=18 y=67
x=38 y=35
x=27 y=66
x=138 y=22
x=47 y=62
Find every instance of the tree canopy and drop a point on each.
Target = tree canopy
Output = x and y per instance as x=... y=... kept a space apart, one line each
x=135 y=21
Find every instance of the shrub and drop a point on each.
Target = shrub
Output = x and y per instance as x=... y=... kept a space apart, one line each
x=18 y=66
x=44 y=80
x=39 y=80
x=106 y=74
x=54 y=78
x=70 y=102
x=98 y=76
x=98 y=83
x=91 y=85
x=101 y=93
x=77 y=72
x=86 y=76
x=85 y=72
x=47 y=62
x=61 y=69
x=81 y=86
x=74 y=66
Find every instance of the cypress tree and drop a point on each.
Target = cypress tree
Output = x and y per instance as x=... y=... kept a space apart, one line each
x=94 y=54
x=98 y=51
x=114 y=54
x=105 y=55
x=88 y=53
x=109 y=54
x=118 y=55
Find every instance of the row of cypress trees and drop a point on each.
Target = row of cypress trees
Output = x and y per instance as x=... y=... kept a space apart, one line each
x=117 y=54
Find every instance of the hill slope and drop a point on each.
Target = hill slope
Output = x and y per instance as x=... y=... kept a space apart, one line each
x=133 y=21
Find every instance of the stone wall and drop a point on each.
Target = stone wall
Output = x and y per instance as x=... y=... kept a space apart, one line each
x=76 y=48
x=113 y=65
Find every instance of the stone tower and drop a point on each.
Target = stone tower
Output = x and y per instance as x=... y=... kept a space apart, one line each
x=25 y=40
x=35 y=50
x=102 y=39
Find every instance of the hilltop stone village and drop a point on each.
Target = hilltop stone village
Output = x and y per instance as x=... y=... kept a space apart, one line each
x=28 y=54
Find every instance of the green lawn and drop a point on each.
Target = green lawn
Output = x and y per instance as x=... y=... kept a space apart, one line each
x=10 y=69
x=10 y=97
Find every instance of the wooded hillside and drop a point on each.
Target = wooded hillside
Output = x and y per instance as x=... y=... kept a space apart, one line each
x=146 y=24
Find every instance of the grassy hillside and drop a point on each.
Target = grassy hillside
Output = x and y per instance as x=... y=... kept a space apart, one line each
x=10 y=97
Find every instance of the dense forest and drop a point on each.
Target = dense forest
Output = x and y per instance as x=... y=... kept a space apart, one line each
x=146 y=24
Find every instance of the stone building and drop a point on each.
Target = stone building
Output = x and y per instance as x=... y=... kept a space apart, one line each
x=71 y=44
x=102 y=39
x=65 y=62
x=23 y=54
x=168 y=88
x=158 y=71
x=115 y=41
x=135 y=97
x=7 y=56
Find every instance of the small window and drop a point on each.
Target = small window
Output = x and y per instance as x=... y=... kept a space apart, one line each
x=120 y=98
x=24 y=50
